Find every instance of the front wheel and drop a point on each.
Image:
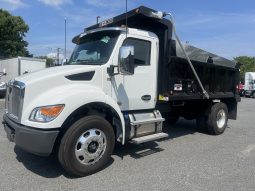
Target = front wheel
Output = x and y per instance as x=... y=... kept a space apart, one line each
x=87 y=146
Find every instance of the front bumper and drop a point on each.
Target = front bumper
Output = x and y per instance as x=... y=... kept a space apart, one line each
x=2 y=92
x=36 y=141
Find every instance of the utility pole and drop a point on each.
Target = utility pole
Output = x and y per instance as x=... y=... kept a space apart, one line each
x=58 y=55
x=65 y=42
x=98 y=17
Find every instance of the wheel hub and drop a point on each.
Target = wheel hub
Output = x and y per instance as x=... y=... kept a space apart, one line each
x=93 y=146
x=221 y=118
x=90 y=146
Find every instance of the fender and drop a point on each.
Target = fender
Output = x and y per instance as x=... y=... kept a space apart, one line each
x=73 y=96
x=115 y=106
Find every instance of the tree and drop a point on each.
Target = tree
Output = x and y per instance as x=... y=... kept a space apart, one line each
x=248 y=65
x=12 y=33
x=49 y=61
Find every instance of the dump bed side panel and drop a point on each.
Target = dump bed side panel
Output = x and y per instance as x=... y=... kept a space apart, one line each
x=217 y=81
x=218 y=75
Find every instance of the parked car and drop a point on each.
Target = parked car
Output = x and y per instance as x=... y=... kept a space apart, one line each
x=240 y=88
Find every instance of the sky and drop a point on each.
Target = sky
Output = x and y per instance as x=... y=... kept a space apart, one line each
x=224 y=27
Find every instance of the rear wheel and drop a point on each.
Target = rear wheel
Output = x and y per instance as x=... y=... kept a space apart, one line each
x=217 y=119
x=87 y=146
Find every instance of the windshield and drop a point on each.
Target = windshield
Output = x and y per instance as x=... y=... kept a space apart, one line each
x=94 y=49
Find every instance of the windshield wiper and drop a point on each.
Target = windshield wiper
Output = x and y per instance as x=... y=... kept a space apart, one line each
x=93 y=62
x=79 y=60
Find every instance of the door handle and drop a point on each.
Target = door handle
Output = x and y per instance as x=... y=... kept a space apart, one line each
x=146 y=97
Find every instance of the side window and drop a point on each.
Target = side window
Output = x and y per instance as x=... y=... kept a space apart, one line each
x=142 y=50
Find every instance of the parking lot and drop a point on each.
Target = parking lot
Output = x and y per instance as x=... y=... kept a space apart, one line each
x=187 y=160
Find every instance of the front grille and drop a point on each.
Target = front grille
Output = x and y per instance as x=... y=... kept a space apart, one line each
x=14 y=99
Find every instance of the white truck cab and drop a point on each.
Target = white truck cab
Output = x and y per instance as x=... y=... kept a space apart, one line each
x=249 y=84
x=42 y=102
x=81 y=82
x=120 y=84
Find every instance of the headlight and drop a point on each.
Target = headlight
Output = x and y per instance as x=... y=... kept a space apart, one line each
x=46 y=113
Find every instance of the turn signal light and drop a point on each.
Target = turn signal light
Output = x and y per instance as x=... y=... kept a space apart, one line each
x=46 y=113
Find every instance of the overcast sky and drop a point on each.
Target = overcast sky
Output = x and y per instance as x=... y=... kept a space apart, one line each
x=224 y=27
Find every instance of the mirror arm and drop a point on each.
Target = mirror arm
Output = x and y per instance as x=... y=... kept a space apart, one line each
x=110 y=70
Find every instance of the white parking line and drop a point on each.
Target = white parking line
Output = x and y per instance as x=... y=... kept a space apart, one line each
x=248 y=149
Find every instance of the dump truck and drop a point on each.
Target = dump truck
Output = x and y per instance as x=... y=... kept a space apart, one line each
x=14 y=67
x=126 y=77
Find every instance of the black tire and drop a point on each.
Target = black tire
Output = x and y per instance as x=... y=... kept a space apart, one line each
x=67 y=148
x=244 y=94
x=189 y=117
x=171 y=118
x=241 y=93
x=217 y=109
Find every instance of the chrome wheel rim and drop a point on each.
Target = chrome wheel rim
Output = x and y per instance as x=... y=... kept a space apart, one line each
x=90 y=146
x=221 y=118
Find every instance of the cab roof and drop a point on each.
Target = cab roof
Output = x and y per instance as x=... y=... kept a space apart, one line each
x=121 y=29
x=140 y=18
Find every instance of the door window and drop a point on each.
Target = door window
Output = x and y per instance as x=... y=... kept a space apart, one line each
x=142 y=50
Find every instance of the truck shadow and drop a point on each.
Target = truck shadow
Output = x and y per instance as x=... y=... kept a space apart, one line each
x=47 y=167
x=44 y=166
x=182 y=128
x=50 y=168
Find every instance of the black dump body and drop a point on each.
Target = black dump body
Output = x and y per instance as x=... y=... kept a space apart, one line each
x=176 y=80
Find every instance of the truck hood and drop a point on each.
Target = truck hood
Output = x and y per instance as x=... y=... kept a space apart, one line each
x=54 y=72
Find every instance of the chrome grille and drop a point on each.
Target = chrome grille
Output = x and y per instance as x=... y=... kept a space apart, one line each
x=14 y=99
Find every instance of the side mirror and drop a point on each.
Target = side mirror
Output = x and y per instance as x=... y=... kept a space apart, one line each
x=126 y=60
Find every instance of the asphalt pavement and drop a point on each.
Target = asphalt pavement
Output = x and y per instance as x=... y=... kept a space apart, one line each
x=186 y=160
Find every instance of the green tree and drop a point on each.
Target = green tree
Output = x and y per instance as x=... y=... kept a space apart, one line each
x=49 y=61
x=248 y=65
x=12 y=33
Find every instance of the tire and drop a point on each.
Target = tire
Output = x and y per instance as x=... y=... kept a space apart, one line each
x=217 y=119
x=245 y=95
x=171 y=118
x=87 y=145
x=189 y=117
x=241 y=93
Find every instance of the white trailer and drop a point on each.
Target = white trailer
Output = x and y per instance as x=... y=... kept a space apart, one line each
x=14 y=67
x=249 y=84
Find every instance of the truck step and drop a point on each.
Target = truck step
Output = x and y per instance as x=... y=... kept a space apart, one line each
x=148 y=138
x=146 y=121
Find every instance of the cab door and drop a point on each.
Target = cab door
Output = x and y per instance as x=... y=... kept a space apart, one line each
x=137 y=91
